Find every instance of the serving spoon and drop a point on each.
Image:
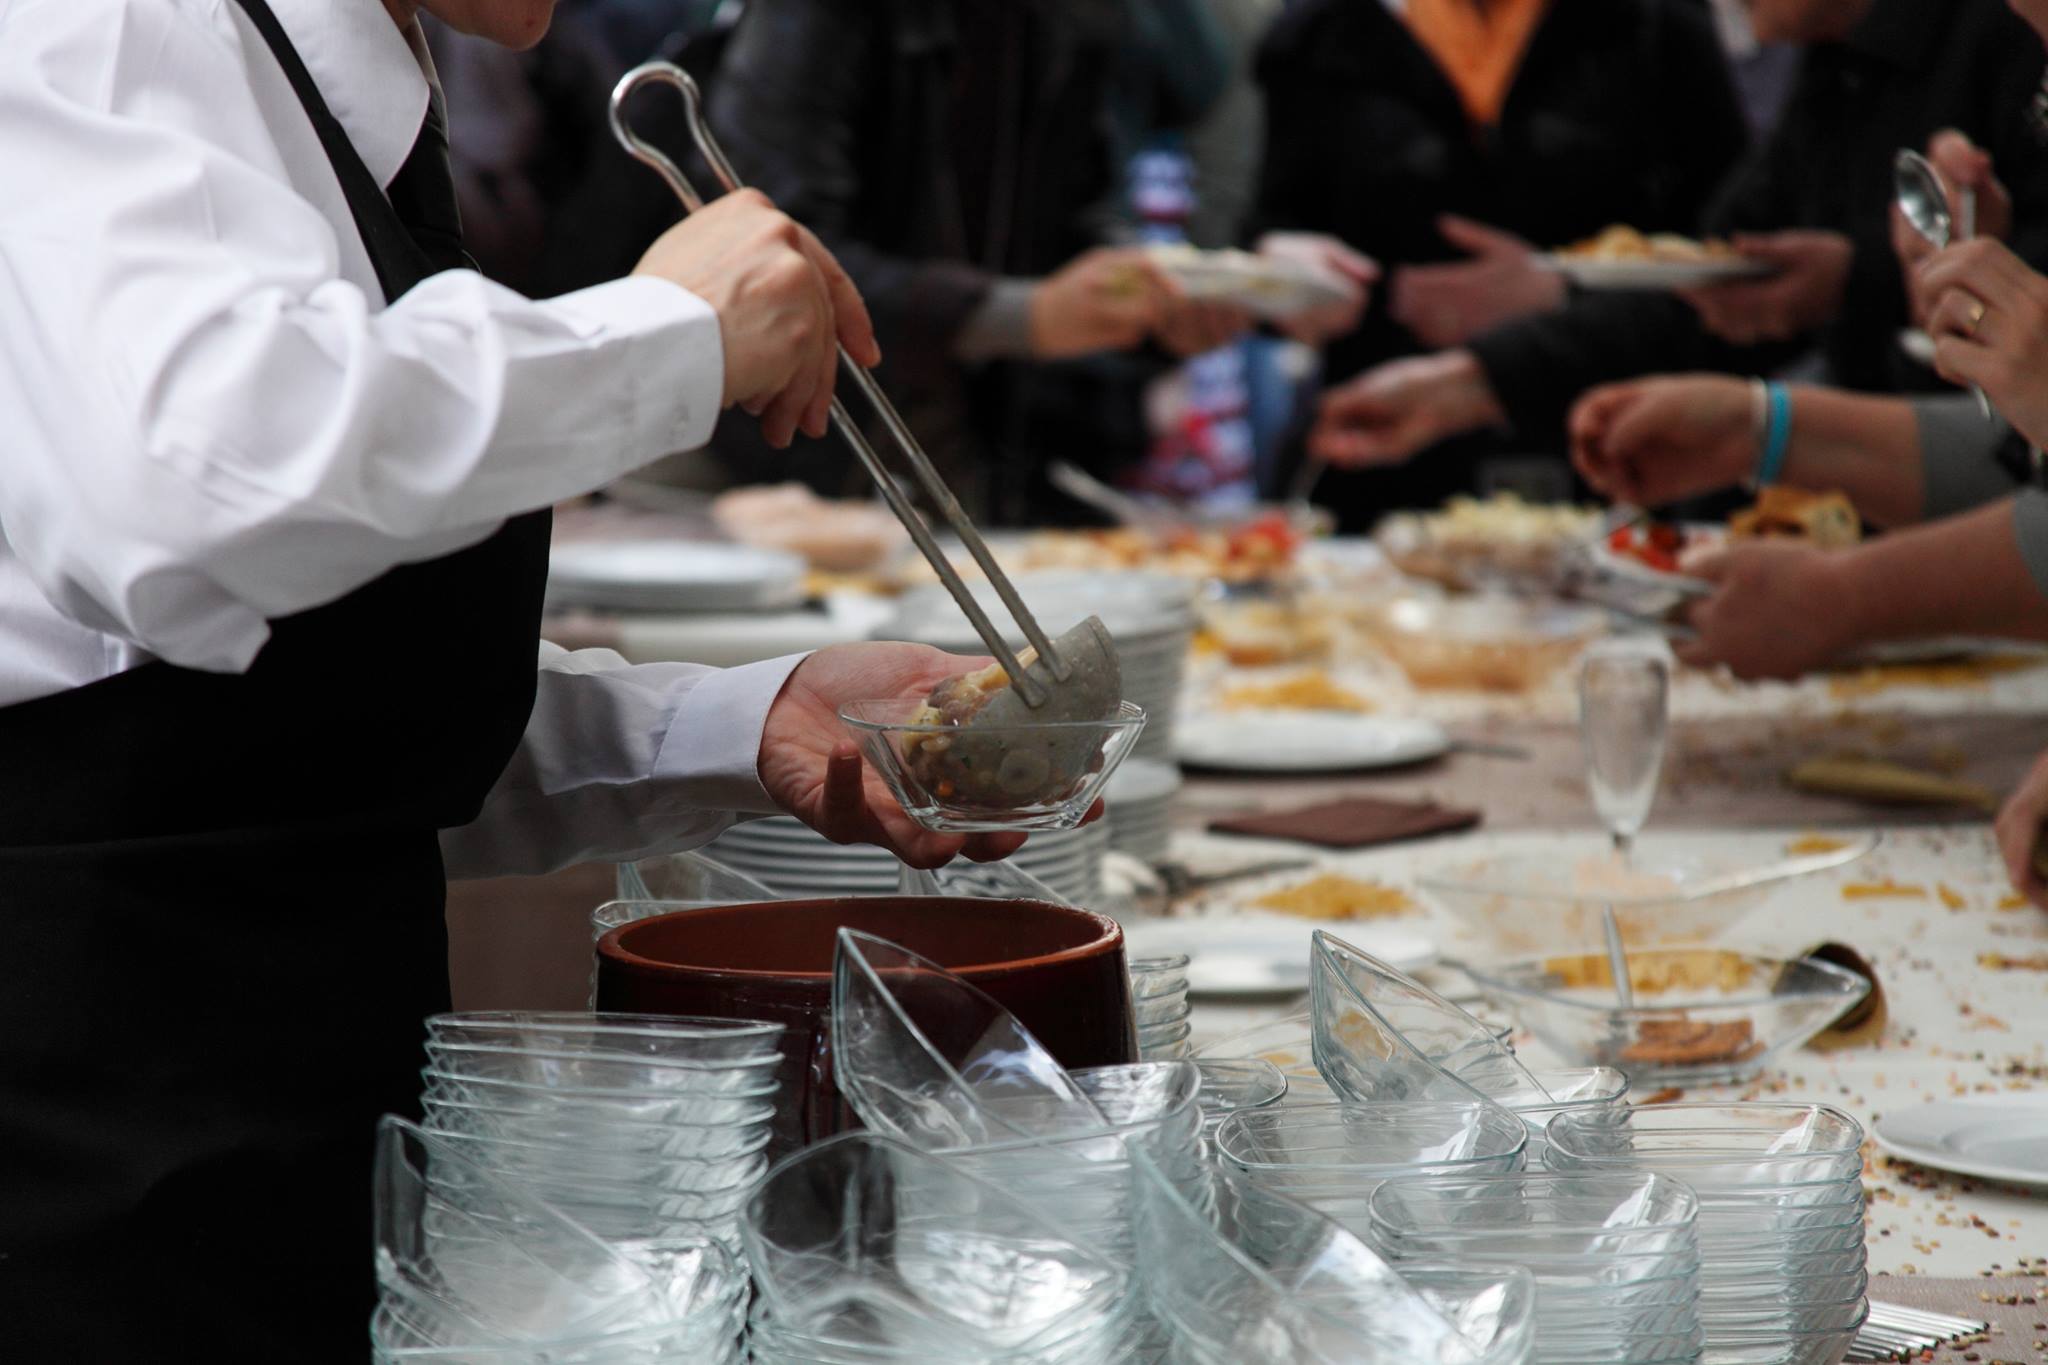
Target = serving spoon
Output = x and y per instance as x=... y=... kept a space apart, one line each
x=1923 y=197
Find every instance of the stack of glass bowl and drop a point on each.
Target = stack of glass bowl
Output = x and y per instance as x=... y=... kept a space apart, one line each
x=867 y=1251
x=1332 y=1156
x=635 y=1126
x=925 y=1057
x=1268 y=1281
x=1780 y=1188
x=471 y=1268
x=1159 y=1003
x=1615 y=1255
x=1231 y=1086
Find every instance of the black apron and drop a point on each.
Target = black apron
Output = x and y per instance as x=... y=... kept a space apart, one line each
x=221 y=903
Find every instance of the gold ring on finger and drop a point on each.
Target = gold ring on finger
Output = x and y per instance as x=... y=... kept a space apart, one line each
x=1976 y=316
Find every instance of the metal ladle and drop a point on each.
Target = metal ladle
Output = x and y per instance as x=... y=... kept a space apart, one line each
x=1094 y=644
x=1923 y=197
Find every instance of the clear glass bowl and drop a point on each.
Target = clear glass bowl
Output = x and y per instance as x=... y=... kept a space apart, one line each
x=1552 y=893
x=964 y=779
x=1484 y=643
x=1701 y=1016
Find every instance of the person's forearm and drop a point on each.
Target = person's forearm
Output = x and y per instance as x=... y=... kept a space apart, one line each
x=1868 y=447
x=1982 y=573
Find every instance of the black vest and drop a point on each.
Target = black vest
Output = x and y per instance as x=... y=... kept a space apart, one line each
x=221 y=922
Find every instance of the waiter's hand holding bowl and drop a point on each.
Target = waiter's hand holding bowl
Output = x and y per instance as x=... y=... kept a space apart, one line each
x=784 y=307
x=812 y=768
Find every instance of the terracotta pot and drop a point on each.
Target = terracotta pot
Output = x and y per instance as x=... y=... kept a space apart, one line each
x=1060 y=970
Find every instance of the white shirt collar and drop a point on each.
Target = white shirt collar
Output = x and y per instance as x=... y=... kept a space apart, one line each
x=367 y=71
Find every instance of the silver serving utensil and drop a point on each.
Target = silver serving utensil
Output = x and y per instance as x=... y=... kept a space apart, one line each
x=1895 y=1332
x=1083 y=487
x=1923 y=197
x=1030 y=688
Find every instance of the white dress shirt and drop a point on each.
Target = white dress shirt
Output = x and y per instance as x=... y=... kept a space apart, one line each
x=211 y=418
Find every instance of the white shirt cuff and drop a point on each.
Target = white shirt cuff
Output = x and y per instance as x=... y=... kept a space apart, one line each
x=678 y=388
x=714 y=741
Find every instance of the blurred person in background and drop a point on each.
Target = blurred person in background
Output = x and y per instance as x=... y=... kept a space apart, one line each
x=1975 y=557
x=956 y=155
x=1451 y=139
x=1976 y=561
x=1815 y=202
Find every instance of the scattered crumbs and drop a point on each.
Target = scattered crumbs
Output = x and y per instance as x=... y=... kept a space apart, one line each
x=1950 y=897
x=1887 y=889
x=2003 y=962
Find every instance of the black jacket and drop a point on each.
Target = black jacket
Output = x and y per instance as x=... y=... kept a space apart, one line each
x=1621 y=111
x=936 y=145
x=1910 y=69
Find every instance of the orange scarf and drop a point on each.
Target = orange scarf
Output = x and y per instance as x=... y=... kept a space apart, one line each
x=1479 y=45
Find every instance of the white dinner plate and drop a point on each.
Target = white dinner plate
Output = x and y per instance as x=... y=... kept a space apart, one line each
x=1306 y=741
x=1991 y=1137
x=1653 y=274
x=1260 y=954
x=1261 y=285
x=673 y=575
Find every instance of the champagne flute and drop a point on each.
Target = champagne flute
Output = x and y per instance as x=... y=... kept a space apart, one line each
x=1624 y=713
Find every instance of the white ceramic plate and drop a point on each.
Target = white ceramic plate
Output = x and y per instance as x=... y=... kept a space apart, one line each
x=1306 y=741
x=1259 y=954
x=1261 y=285
x=673 y=575
x=1991 y=1137
x=1653 y=274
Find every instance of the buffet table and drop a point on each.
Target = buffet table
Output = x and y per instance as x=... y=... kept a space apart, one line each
x=1959 y=1023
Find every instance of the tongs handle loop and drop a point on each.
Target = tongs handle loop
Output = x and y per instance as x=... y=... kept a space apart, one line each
x=1029 y=688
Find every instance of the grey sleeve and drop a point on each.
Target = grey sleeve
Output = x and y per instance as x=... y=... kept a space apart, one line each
x=2030 y=533
x=1957 y=471
x=1000 y=326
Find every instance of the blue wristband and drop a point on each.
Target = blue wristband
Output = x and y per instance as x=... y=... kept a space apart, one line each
x=1777 y=435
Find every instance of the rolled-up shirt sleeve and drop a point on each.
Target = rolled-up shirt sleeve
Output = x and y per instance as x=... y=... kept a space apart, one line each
x=1959 y=468
x=209 y=424
x=622 y=761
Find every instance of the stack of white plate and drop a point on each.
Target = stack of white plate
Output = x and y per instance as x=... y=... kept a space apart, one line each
x=801 y=864
x=672 y=576
x=1137 y=806
x=1152 y=618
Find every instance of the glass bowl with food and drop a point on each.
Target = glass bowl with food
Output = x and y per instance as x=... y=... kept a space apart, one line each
x=1697 y=1016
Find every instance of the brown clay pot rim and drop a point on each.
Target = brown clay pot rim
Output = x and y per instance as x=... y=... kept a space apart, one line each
x=609 y=946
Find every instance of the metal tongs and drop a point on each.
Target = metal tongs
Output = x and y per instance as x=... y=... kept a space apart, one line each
x=1030 y=689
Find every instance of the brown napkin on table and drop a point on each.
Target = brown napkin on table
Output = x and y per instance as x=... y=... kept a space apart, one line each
x=1352 y=822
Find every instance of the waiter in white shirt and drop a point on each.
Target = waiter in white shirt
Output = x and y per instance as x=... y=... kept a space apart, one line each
x=273 y=483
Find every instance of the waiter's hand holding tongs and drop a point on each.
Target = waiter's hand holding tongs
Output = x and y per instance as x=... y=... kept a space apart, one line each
x=784 y=308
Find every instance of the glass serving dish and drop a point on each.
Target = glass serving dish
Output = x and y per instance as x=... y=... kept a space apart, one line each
x=1701 y=1015
x=1540 y=895
x=1484 y=644
x=963 y=779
